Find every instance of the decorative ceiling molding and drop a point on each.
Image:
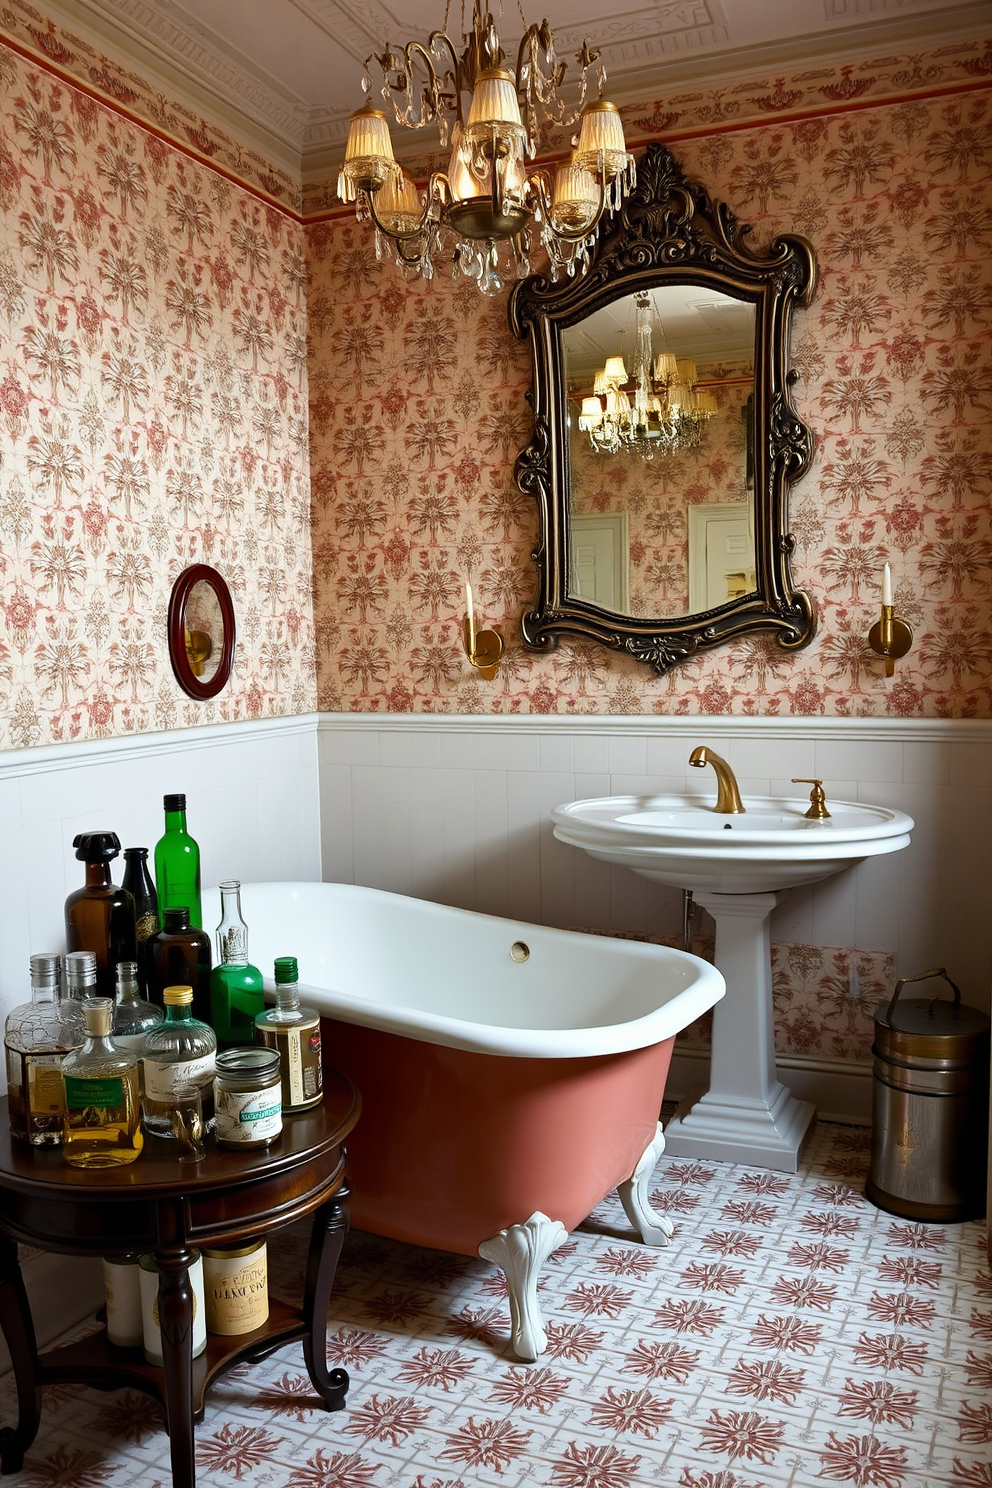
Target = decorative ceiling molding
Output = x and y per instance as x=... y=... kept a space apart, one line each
x=671 y=70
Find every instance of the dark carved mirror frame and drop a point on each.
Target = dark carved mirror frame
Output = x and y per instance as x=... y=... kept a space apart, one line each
x=180 y=653
x=670 y=231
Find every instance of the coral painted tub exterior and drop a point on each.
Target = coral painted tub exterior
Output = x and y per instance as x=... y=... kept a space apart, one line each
x=504 y=1067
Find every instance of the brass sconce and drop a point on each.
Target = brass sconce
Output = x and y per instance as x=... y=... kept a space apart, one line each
x=484 y=648
x=199 y=649
x=889 y=637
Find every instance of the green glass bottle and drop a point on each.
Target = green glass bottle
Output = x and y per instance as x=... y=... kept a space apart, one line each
x=237 y=989
x=177 y=864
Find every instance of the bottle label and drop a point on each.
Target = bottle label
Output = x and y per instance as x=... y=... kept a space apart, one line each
x=145 y=926
x=46 y=1094
x=162 y=1078
x=245 y=1116
x=104 y=1093
x=299 y=1046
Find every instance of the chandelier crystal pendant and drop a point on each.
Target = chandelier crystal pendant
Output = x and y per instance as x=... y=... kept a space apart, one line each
x=483 y=213
x=666 y=413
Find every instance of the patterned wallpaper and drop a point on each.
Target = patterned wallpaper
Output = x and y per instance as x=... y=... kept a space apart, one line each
x=153 y=414
x=418 y=410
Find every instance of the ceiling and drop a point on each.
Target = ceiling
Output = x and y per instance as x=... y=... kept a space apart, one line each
x=287 y=73
x=689 y=321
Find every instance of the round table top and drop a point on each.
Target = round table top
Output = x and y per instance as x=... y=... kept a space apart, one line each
x=157 y=1171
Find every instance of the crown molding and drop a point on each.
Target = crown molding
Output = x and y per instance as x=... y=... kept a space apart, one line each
x=666 y=65
x=177 y=60
x=652 y=52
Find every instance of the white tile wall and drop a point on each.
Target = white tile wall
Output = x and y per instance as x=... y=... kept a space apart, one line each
x=457 y=809
x=252 y=805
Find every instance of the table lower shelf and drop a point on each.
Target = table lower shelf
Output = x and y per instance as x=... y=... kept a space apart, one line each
x=95 y=1361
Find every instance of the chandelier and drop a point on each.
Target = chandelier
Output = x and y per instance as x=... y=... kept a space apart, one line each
x=664 y=411
x=484 y=211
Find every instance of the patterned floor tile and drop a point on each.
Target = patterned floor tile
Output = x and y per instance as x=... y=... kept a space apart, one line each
x=790 y=1336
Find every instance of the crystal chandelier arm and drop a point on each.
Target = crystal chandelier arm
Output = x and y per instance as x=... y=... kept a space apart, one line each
x=399 y=75
x=541 y=187
x=436 y=187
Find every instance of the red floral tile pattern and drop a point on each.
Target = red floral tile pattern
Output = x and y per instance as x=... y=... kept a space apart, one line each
x=865 y=1361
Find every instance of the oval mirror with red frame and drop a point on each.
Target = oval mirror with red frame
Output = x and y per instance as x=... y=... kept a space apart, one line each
x=202 y=631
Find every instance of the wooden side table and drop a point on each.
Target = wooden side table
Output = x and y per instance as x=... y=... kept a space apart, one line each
x=155 y=1205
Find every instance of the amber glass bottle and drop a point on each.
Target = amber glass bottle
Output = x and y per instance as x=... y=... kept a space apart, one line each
x=179 y=956
x=100 y=916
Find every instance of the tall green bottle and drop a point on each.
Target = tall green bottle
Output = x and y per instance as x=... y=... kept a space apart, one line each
x=237 y=990
x=177 y=865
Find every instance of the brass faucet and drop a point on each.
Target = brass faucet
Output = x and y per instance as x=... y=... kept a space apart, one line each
x=728 y=797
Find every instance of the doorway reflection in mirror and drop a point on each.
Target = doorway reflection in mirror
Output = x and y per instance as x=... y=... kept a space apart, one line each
x=659 y=385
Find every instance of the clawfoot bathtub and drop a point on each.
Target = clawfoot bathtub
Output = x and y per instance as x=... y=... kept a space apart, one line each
x=511 y=1075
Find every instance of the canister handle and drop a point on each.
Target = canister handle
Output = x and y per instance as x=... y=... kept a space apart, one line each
x=923 y=976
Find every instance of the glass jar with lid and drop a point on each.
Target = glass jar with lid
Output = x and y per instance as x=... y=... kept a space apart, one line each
x=247 y=1097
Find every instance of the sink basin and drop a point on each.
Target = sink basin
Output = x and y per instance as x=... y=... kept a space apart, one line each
x=681 y=841
x=735 y=865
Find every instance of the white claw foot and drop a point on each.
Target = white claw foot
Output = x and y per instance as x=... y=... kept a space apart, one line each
x=520 y=1252
x=653 y=1228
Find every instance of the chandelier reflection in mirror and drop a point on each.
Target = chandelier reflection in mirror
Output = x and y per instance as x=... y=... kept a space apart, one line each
x=484 y=212
x=658 y=409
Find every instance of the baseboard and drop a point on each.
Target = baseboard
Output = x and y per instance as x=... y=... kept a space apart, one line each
x=62 y=1291
x=840 y=1091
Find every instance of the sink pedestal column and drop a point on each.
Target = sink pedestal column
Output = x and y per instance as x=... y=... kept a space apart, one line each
x=747 y=1115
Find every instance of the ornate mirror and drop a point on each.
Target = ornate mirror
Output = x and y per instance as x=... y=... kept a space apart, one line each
x=665 y=439
x=201 y=631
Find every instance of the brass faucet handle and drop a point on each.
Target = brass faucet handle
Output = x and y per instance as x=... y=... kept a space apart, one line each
x=817 y=798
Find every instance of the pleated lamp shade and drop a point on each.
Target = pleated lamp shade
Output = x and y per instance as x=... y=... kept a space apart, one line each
x=368 y=154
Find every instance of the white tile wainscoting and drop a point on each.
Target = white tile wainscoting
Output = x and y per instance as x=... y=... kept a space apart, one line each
x=456 y=809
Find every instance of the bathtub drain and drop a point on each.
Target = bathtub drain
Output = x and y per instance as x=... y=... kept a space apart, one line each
x=519 y=950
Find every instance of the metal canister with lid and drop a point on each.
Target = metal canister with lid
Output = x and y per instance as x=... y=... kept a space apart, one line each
x=930 y=1106
x=247 y=1097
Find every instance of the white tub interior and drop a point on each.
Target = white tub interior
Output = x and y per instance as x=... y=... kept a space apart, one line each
x=471 y=981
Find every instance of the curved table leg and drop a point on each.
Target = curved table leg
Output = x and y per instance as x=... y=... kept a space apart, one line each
x=520 y=1251
x=175 y=1312
x=327 y=1235
x=653 y=1228
x=18 y=1331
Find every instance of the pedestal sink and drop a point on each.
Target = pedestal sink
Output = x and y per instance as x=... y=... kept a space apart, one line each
x=736 y=866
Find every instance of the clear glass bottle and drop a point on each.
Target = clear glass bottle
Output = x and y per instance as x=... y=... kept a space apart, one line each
x=177 y=864
x=295 y=1032
x=80 y=984
x=138 y=883
x=180 y=1051
x=237 y=989
x=102 y=1122
x=37 y=1037
x=99 y=917
x=179 y=956
x=133 y=1016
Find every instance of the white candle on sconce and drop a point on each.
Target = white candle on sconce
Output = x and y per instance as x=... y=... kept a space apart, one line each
x=470 y=616
x=886 y=585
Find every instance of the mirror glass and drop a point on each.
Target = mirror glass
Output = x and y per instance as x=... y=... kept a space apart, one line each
x=202 y=631
x=204 y=626
x=665 y=440
x=660 y=399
